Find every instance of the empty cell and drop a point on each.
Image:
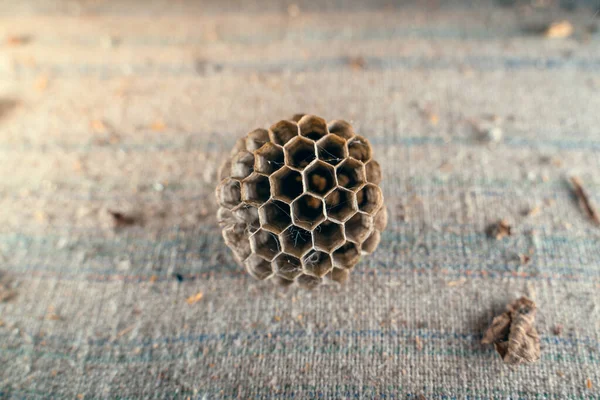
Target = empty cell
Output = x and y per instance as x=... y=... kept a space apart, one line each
x=296 y=241
x=256 y=189
x=328 y=236
x=283 y=131
x=312 y=127
x=320 y=178
x=341 y=128
x=249 y=215
x=236 y=238
x=359 y=148
x=275 y=216
x=346 y=256
x=369 y=198
x=381 y=219
x=265 y=244
x=338 y=275
x=286 y=184
x=371 y=243
x=268 y=159
x=307 y=211
x=308 y=281
x=242 y=165
x=229 y=193
x=332 y=149
x=340 y=204
x=317 y=263
x=299 y=152
x=373 y=170
x=256 y=139
x=351 y=174
x=286 y=266
x=258 y=268
x=359 y=227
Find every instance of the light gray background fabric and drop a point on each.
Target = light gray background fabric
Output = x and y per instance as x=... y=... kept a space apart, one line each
x=131 y=106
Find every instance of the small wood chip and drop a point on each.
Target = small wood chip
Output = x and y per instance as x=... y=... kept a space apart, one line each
x=513 y=333
x=499 y=230
x=53 y=317
x=418 y=343
x=458 y=282
x=532 y=212
x=557 y=329
x=125 y=331
x=584 y=201
x=357 y=63
x=588 y=384
x=120 y=219
x=559 y=30
x=195 y=298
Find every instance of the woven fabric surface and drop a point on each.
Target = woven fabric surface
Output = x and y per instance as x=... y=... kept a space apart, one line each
x=131 y=107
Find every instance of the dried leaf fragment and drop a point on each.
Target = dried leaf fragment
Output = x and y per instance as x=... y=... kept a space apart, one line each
x=559 y=30
x=195 y=298
x=500 y=229
x=584 y=200
x=513 y=334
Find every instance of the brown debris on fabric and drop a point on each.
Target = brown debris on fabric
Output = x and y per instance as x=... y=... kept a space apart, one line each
x=499 y=230
x=7 y=290
x=513 y=333
x=17 y=40
x=194 y=298
x=6 y=106
x=557 y=329
x=418 y=343
x=584 y=200
x=559 y=30
x=357 y=63
x=121 y=219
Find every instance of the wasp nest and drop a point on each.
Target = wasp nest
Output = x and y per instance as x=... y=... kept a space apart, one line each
x=300 y=202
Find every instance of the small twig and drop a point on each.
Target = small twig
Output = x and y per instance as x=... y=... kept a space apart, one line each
x=584 y=201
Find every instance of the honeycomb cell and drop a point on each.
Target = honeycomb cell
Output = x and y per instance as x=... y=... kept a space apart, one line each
x=283 y=131
x=242 y=165
x=328 y=236
x=225 y=217
x=256 y=139
x=319 y=178
x=256 y=189
x=350 y=174
x=296 y=241
x=340 y=205
x=225 y=170
x=308 y=281
x=371 y=243
x=265 y=244
x=359 y=227
x=307 y=211
x=360 y=149
x=373 y=170
x=268 y=159
x=297 y=117
x=275 y=216
x=258 y=267
x=286 y=185
x=317 y=263
x=341 y=128
x=312 y=127
x=381 y=219
x=280 y=281
x=369 y=198
x=248 y=214
x=299 y=152
x=236 y=238
x=338 y=275
x=346 y=256
x=286 y=266
x=229 y=193
x=332 y=149
x=240 y=145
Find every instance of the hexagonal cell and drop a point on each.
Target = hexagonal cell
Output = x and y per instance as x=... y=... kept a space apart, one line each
x=268 y=159
x=296 y=117
x=317 y=263
x=359 y=227
x=275 y=216
x=312 y=127
x=299 y=152
x=249 y=215
x=242 y=165
x=256 y=189
x=229 y=193
x=240 y=145
x=328 y=236
x=256 y=139
x=308 y=281
x=341 y=128
x=296 y=241
x=340 y=204
x=258 y=268
x=319 y=178
x=286 y=184
x=236 y=238
x=346 y=256
x=225 y=217
x=265 y=244
x=359 y=148
x=286 y=266
x=307 y=211
x=332 y=149
x=338 y=275
x=283 y=131
x=374 y=174
x=351 y=174
x=225 y=169
x=369 y=198
x=381 y=219
x=280 y=281
x=371 y=243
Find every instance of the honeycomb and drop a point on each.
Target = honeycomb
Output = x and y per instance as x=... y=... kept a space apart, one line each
x=300 y=202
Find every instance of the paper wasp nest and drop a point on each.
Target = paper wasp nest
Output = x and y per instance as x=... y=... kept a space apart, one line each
x=300 y=202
